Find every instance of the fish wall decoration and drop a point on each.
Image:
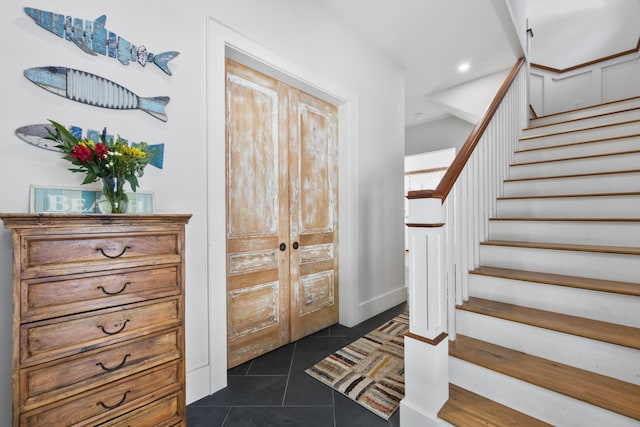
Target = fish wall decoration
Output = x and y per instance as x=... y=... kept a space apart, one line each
x=92 y=38
x=91 y=89
x=38 y=135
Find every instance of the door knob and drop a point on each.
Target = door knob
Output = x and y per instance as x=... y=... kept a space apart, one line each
x=283 y=247
x=295 y=245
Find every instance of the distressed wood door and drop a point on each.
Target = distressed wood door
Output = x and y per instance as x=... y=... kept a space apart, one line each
x=281 y=214
x=257 y=220
x=313 y=174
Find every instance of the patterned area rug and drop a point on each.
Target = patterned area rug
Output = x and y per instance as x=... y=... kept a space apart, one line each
x=370 y=370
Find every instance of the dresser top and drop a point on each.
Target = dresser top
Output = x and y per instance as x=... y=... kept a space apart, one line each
x=24 y=220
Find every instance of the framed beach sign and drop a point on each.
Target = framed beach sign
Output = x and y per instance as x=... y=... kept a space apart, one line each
x=49 y=199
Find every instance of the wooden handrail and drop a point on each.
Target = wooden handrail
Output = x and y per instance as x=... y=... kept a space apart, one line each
x=454 y=171
x=586 y=64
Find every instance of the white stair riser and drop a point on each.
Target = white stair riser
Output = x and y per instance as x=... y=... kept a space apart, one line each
x=586 y=112
x=614 y=163
x=571 y=207
x=609 y=183
x=604 y=306
x=596 y=356
x=548 y=406
x=618 y=117
x=577 y=150
x=605 y=132
x=597 y=265
x=572 y=232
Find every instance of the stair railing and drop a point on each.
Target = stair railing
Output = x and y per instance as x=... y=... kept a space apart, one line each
x=445 y=228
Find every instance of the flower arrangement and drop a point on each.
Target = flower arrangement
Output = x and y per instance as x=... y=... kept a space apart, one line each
x=112 y=161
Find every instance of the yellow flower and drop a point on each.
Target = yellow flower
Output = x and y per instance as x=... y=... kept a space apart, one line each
x=86 y=143
x=133 y=152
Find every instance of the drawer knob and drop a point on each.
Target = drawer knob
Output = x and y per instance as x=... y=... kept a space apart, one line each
x=113 y=256
x=106 y=292
x=117 y=367
x=114 y=332
x=105 y=406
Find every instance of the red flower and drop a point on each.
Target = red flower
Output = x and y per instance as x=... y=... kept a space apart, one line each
x=101 y=150
x=81 y=153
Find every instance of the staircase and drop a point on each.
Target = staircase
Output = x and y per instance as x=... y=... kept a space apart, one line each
x=551 y=330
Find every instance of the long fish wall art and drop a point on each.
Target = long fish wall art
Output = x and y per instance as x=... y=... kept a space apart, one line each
x=38 y=135
x=90 y=89
x=91 y=37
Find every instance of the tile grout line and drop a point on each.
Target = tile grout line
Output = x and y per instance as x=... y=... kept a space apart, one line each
x=226 y=417
x=286 y=387
x=333 y=406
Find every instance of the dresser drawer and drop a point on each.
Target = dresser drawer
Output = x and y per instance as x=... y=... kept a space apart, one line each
x=59 y=296
x=42 y=253
x=66 y=336
x=57 y=380
x=109 y=401
x=164 y=412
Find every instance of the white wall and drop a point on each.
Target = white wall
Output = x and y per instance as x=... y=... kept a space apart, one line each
x=469 y=100
x=572 y=32
x=294 y=30
x=606 y=81
x=518 y=13
x=436 y=135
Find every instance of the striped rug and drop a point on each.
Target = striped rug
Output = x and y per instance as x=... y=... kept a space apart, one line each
x=370 y=370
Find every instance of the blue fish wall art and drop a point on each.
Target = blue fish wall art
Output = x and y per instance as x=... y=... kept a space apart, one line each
x=38 y=135
x=90 y=89
x=93 y=38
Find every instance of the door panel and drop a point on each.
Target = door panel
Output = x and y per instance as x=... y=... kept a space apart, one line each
x=316 y=291
x=257 y=271
x=314 y=207
x=281 y=214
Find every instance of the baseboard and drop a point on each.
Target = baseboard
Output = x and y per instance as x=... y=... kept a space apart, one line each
x=375 y=306
x=197 y=384
x=413 y=417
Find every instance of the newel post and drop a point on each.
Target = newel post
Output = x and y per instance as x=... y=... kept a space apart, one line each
x=426 y=345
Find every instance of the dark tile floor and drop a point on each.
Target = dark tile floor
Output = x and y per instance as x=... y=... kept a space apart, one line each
x=274 y=390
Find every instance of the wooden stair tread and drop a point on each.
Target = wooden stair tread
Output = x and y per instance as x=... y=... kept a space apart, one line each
x=546 y=135
x=560 y=196
x=626 y=336
x=588 y=107
x=565 y=159
x=569 y=144
x=610 y=113
x=624 y=250
x=467 y=409
x=579 y=175
x=599 y=390
x=540 y=219
x=624 y=288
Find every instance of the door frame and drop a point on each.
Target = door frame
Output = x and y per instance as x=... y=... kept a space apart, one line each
x=223 y=42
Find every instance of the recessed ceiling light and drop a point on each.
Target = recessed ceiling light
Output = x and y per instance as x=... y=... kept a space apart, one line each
x=463 y=67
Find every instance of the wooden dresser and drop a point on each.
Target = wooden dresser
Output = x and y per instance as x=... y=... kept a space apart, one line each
x=98 y=319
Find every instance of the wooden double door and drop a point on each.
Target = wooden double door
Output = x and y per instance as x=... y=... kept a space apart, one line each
x=282 y=205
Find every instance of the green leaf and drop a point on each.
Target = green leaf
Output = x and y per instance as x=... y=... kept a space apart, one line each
x=62 y=134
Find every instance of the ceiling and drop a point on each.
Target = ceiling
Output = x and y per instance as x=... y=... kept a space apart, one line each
x=429 y=39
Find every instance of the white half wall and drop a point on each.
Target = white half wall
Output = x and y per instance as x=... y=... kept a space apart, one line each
x=606 y=81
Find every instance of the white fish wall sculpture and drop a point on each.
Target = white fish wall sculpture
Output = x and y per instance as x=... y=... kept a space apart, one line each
x=90 y=89
x=93 y=38
x=39 y=135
